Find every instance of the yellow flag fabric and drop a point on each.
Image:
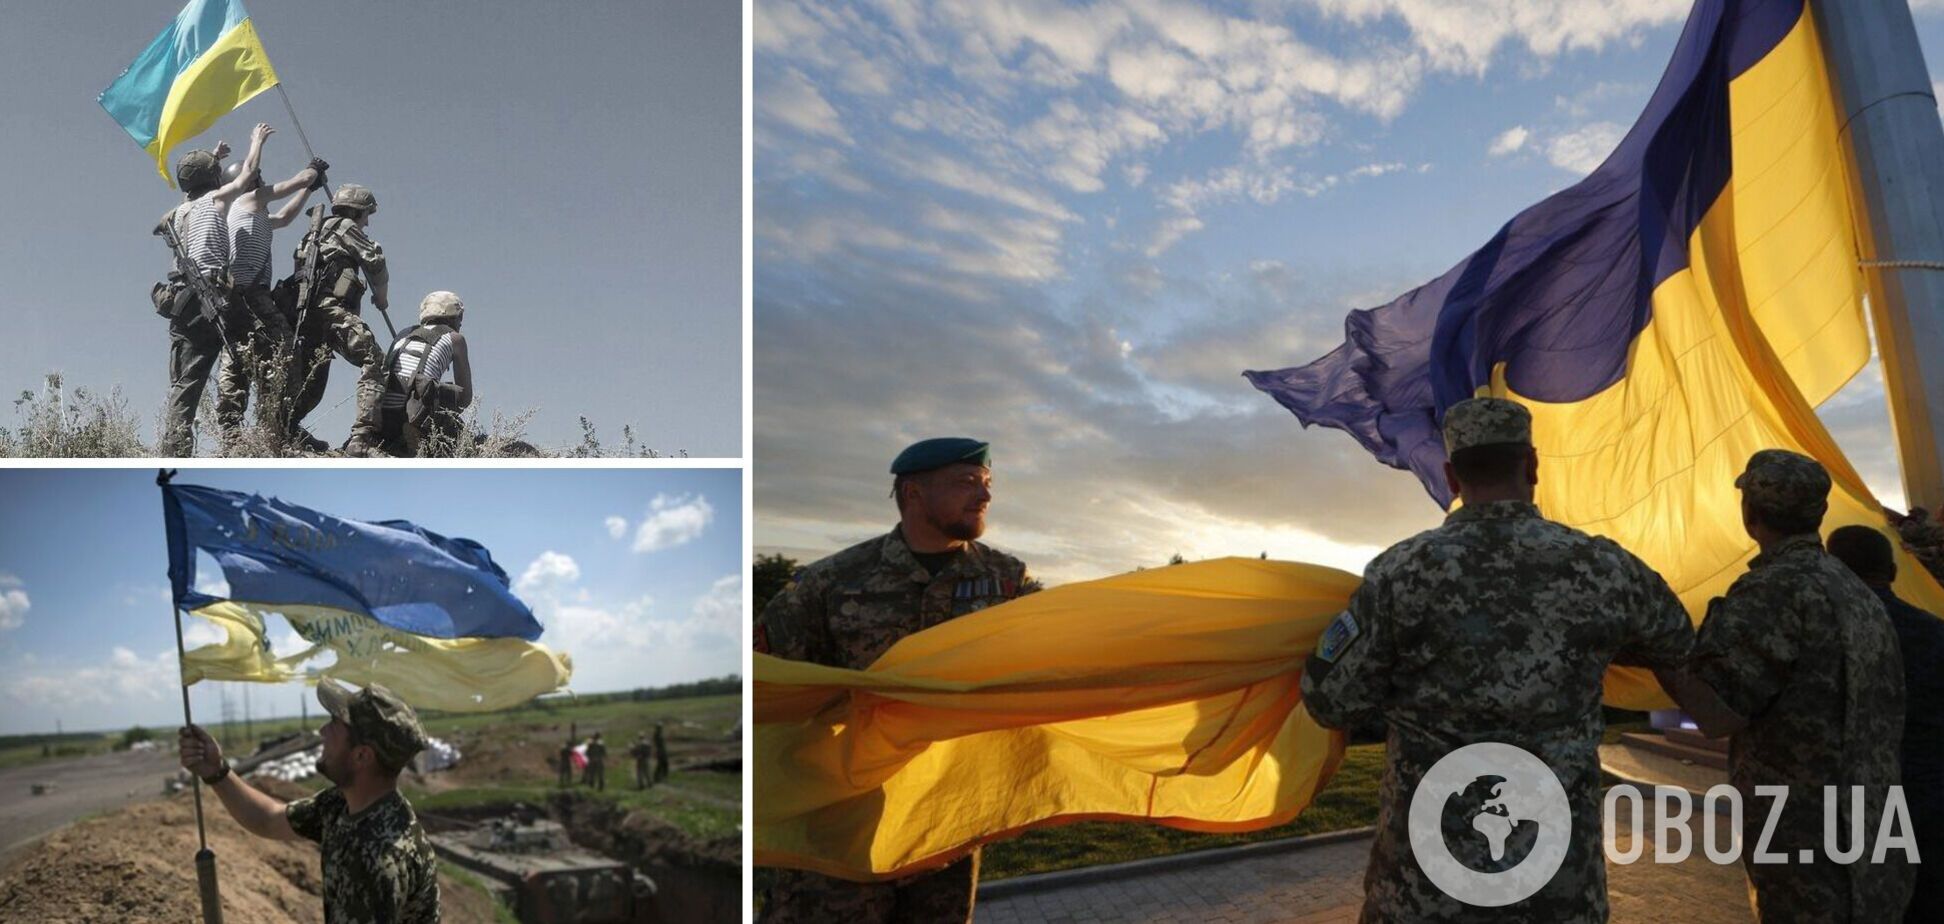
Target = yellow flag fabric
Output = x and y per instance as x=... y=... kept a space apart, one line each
x=1168 y=695
x=452 y=675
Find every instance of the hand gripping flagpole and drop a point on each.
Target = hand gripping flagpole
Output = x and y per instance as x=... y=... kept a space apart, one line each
x=212 y=901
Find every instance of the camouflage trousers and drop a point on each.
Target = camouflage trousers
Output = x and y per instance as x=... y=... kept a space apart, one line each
x=263 y=337
x=928 y=898
x=194 y=347
x=332 y=328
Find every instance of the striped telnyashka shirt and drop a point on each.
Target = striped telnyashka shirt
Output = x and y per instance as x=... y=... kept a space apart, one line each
x=249 y=244
x=414 y=356
x=203 y=229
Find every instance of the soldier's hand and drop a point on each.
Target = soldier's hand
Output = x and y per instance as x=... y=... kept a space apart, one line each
x=381 y=301
x=320 y=165
x=200 y=754
x=262 y=131
x=317 y=179
x=221 y=150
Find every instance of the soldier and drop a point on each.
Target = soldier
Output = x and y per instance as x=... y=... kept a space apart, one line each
x=845 y=610
x=1920 y=641
x=418 y=415
x=661 y=755
x=268 y=332
x=345 y=252
x=1923 y=537
x=596 y=762
x=201 y=224
x=641 y=752
x=1798 y=666
x=1494 y=627
x=567 y=764
x=378 y=866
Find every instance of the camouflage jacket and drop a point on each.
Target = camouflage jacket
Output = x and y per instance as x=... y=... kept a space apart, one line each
x=1924 y=539
x=845 y=610
x=1495 y=627
x=343 y=251
x=1804 y=651
x=378 y=866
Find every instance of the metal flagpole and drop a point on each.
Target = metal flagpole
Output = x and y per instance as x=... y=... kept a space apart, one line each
x=212 y=900
x=1890 y=118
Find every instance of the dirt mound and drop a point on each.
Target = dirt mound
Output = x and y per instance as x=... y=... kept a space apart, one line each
x=138 y=864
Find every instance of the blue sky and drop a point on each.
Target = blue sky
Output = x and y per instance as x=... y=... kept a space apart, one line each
x=1067 y=228
x=635 y=573
x=573 y=171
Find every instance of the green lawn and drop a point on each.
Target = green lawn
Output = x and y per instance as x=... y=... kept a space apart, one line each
x=1350 y=801
x=701 y=820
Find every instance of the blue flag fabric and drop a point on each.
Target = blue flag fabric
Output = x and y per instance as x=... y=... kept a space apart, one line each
x=274 y=553
x=1559 y=294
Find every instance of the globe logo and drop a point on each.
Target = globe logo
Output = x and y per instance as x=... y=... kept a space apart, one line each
x=1489 y=824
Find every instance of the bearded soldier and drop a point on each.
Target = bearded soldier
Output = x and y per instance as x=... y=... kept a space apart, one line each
x=378 y=865
x=1798 y=667
x=1496 y=627
x=845 y=610
x=347 y=263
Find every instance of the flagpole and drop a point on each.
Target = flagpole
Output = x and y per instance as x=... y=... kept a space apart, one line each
x=212 y=901
x=1890 y=119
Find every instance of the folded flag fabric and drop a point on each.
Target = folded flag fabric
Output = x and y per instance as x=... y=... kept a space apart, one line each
x=205 y=63
x=1168 y=695
x=274 y=553
x=430 y=617
x=1685 y=305
x=580 y=756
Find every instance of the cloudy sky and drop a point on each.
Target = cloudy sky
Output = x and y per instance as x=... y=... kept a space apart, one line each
x=573 y=171
x=635 y=574
x=1067 y=228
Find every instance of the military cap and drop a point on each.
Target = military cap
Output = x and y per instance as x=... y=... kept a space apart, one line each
x=1780 y=481
x=925 y=455
x=1484 y=422
x=377 y=717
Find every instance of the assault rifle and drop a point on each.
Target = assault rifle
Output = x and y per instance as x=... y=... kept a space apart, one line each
x=207 y=299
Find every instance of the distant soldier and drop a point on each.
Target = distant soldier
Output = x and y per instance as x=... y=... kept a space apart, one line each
x=348 y=262
x=845 y=610
x=661 y=755
x=418 y=415
x=378 y=865
x=1798 y=666
x=1920 y=641
x=1496 y=627
x=268 y=335
x=1923 y=537
x=642 y=752
x=201 y=224
x=567 y=764
x=596 y=762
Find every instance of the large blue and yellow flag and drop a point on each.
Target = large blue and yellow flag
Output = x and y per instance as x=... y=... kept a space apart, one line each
x=1685 y=305
x=431 y=617
x=207 y=62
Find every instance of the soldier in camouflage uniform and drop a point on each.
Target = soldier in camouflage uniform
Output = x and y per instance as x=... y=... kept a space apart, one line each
x=642 y=752
x=1923 y=537
x=345 y=253
x=378 y=865
x=1495 y=627
x=846 y=610
x=1799 y=666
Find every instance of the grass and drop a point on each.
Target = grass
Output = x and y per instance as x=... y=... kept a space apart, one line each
x=1350 y=801
x=76 y=422
x=699 y=820
x=465 y=877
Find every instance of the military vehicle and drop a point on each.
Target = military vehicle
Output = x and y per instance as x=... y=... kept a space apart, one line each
x=535 y=870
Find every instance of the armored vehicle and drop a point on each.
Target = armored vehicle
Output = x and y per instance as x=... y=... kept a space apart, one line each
x=535 y=870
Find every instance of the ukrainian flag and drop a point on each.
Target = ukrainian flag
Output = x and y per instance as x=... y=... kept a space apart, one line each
x=206 y=63
x=1687 y=304
x=430 y=617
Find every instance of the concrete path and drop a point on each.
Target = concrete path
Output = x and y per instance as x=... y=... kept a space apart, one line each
x=1319 y=880
x=76 y=787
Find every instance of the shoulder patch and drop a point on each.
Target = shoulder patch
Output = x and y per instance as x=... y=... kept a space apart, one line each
x=1337 y=638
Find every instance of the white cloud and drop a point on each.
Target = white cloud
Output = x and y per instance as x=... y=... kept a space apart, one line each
x=795 y=102
x=547 y=572
x=1508 y=141
x=722 y=605
x=672 y=521
x=1583 y=149
x=1463 y=35
x=123 y=676
x=617 y=527
x=197 y=632
x=14 y=605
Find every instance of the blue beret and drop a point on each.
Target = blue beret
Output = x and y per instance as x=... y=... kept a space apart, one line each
x=925 y=455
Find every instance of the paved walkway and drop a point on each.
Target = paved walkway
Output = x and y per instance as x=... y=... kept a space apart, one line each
x=1324 y=883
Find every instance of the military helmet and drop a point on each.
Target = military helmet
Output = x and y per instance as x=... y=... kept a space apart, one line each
x=353 y=196
x=197 y=169
x=441 y=306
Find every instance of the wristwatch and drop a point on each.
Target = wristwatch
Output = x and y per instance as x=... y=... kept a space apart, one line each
x=220 y=776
